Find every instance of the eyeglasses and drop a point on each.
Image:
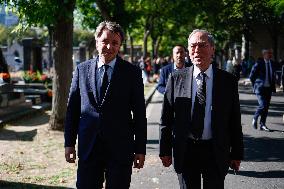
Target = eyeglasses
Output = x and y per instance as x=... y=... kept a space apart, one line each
x=199 y=45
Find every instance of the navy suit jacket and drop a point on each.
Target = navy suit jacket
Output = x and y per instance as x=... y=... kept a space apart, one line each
x=120 y=120
x=227 y=136
x=164 y=75
x=257 y=76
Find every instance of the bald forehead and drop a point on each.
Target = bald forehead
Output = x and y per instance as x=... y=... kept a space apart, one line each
x=198 y=37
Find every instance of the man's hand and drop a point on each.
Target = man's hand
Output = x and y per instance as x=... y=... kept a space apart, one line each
x=70 y=154
x=235 y=164
x=166 y=160
x=139 y=161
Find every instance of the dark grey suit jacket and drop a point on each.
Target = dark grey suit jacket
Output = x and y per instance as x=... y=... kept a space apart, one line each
x=225 y=123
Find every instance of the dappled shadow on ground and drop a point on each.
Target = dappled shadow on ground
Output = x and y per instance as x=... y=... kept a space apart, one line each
x=35 y=119
x=19 y=185
x=6 y=134
x=265 y=174
x=263 y=149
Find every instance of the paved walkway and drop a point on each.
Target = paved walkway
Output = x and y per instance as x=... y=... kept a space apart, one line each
x=263 y=167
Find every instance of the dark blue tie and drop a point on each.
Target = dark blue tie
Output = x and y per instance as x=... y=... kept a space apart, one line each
x=199 y=108
x=104 y=83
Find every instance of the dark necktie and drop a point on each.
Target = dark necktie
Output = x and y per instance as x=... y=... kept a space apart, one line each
x=269 y=74
x=199 y=108
x=104 y=82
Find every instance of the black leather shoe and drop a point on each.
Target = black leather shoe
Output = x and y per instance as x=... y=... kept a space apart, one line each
x=254 y=123
x=264 y=128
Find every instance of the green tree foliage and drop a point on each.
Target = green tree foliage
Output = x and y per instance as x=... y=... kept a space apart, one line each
x=80 y=35
x=8 y=34
x=57 y=15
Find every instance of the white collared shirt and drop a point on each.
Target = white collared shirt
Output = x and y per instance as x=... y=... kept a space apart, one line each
x=176 y=68
x=207 y=132
x=266 y=82
x=100 y=72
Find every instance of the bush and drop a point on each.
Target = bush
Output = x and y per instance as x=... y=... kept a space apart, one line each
x=36 y=77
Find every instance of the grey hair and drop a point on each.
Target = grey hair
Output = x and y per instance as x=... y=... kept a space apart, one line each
x=111 y=26
x=209 y=35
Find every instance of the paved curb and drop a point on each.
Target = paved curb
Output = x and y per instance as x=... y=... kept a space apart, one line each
x=149 y=95
x=25 y=112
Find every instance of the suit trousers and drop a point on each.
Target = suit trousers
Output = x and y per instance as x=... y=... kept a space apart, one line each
x=200 y=162
x=263 y=105
x=100 y=167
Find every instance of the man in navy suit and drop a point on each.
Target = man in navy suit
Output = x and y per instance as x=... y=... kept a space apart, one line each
x=262 y=77
x=179 y=54
x=200 y=131
x=106 y=110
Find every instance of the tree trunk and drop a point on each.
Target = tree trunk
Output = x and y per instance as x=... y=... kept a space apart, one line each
x=275 y=36
x=247 y=40
x=145 y=38
x=275 y=47
x=131 y=50
x=153 y=47
x=63 y=65
x=3 y=63
x=102 y=5
x=50 y=39
x=156 y=46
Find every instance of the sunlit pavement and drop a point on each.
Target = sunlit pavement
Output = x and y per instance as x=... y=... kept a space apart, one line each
x=262 y=168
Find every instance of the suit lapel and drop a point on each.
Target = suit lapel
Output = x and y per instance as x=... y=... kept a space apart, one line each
x=215 y=97
x=92 y=79
x=188 y=82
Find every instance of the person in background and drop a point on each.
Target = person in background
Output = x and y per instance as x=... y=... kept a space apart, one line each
x=237 y=68
x=262 y=77
x=157 y=62
x=179 y=63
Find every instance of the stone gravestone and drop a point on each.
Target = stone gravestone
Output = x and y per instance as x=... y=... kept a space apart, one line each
x=8 y=97
x=82 y=52
x=32 y=54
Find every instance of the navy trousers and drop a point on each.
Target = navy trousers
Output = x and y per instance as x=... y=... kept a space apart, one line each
x=263 y=105
x=100 y=167
x=200 y=162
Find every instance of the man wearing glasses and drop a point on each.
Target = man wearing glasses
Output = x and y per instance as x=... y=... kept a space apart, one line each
x=201 y=121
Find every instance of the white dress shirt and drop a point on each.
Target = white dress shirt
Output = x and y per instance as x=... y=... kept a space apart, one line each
x=266 y=82
x=207 y=132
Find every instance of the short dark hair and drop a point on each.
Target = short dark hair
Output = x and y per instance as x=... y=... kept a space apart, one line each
x=179 y=45
x=111 y=26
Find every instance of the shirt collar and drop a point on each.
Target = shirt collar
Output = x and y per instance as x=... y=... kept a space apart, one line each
x=209 y=71
x=266 y=60
x=111 y=63
x=176 y=68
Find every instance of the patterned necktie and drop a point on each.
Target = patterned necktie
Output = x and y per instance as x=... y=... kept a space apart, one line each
x=104 y=82
x=199 y=108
